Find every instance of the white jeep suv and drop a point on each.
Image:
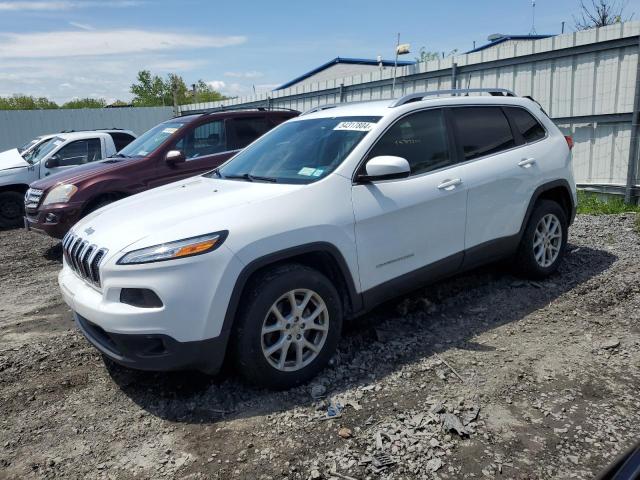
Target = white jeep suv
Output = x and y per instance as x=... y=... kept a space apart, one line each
x=318 y=221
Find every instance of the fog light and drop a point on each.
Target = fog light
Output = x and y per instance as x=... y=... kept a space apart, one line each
x=140 y=297
x=51 y=218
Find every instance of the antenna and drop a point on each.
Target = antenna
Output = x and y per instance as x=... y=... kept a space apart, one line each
x=533 y=18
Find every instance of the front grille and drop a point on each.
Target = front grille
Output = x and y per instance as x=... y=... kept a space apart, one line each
x=83 y=257
x=32 y=198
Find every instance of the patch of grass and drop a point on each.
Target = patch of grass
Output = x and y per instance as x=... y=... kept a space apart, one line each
x=590 y=204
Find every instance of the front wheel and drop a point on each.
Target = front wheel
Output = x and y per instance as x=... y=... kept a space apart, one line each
x=11 y=209
x=544 y=240
x=288 y=328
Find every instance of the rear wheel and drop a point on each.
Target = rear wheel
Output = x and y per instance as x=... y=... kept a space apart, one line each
x=11 y=209
x=288 y=328
x=544 y=240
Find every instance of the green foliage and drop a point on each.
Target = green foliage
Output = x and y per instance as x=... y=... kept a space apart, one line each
x=152 y=90
x=590 y=204
x=425 y=55
x=26 y=102
x=85 y=103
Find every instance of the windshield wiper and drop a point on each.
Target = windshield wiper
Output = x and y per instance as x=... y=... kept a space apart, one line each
x=251 y=178
x=118 y=155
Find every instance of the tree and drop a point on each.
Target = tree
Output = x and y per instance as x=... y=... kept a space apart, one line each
x=149 y=91
x=85 y=103
x=600 y=14
x=26 y=102
x=206 y=93
x=425 y=55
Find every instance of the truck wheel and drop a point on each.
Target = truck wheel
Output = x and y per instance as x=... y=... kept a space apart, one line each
x=288 y=327
x=11 y=209
x=544 y=240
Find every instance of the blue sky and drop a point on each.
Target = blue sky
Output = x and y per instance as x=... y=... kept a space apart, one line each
x=64 y=49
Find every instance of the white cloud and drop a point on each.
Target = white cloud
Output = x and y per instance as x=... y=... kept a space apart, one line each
x=252 y=74
x=107 y=42
x=81 y=26
x=217 y=84
x=64 y=5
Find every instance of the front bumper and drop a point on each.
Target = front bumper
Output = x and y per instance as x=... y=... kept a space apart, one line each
x=54 y=221
x=154 y=352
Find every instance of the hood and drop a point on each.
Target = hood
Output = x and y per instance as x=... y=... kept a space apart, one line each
x=179 y=210
x=80 y=173
x=12 y=159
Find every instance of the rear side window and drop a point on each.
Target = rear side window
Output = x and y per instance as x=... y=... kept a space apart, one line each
x=248 y=129
x=526 y=124
x=121 y=139
x=482 y=131
x=419 y=138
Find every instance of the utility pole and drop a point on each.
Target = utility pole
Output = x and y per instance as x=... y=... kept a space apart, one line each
x=395 y=67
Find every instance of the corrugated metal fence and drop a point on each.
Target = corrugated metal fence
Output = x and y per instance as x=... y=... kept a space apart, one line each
x=586 y=81
x=19 y=126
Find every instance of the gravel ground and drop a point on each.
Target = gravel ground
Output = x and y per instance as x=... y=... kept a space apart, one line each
x=484 y=375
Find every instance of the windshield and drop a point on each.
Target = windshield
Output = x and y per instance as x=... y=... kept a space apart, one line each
x=302 y=151
x=42 y=150
x=29 y=144
x=150 y=140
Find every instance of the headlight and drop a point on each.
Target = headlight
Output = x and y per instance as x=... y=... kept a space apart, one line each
x=178 y=249
x=60 y=194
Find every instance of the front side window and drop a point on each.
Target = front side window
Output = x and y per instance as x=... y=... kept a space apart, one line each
x=482 y=131
x=301 y=151
x=419 y=138
x=149 y=141
x=206 y=139
x=80 y=152
x=121 y=139
x=248 y=129
x=526 y=124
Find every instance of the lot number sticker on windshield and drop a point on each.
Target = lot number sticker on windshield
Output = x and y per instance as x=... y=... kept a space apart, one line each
x=170 y=130
x=355 y=126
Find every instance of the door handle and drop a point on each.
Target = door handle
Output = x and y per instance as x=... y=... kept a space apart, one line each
x=526 y=162
x=450 y=184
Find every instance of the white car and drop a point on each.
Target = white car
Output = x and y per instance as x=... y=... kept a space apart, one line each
x=47 y=155
x=318 y=221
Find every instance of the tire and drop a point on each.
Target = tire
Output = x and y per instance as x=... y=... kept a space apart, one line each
x=534 y=259
x=257 y=356
x=11 y=209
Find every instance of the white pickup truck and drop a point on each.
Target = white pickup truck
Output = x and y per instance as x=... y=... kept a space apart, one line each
x=47 y=155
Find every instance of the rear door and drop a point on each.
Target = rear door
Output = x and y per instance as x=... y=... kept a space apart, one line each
x=498 y=173
x=405 y=225
x=244 y=130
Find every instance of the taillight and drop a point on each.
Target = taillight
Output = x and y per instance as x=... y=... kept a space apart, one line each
x=569 y=141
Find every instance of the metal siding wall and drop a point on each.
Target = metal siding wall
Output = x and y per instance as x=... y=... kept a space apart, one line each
x=572 y=76
x=19 y=126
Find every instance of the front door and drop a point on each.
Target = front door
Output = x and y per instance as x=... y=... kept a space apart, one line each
x=72 y=155
x=204 y=147
x=411 y=229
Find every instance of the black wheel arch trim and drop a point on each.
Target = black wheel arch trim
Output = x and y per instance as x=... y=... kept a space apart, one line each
x=354 y=298
x=545 y=187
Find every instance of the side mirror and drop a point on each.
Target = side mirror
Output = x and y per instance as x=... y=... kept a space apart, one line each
x=174 y=157
x=385 y=167
x=53 y=162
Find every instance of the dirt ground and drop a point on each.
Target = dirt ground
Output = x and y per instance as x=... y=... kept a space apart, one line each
x=482 y=376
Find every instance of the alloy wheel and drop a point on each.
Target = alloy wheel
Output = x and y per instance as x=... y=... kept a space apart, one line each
x=295 y=330
x=547 y=240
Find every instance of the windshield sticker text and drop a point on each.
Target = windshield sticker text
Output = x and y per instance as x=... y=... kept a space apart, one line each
x=354 y=126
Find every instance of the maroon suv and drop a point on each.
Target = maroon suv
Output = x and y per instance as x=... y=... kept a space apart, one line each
x=176 y=149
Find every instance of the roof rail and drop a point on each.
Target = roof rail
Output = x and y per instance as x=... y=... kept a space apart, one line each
x=234 y=108
x=89 y=130
x=320 y=108
x=415 y=97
